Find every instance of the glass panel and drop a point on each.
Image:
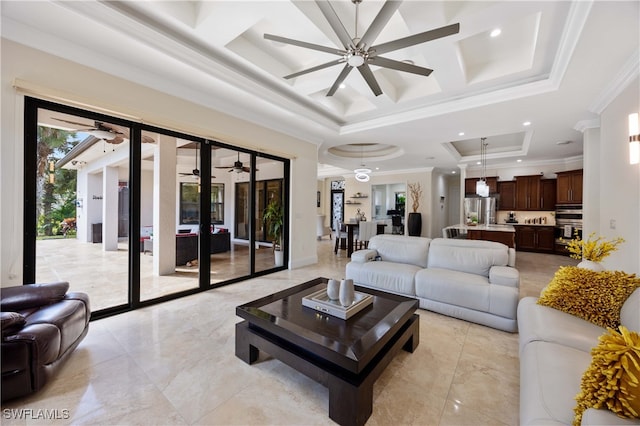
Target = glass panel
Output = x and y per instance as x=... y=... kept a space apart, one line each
x=230 y=219
x=83 y=206
x=269 y=214
x=169 y=215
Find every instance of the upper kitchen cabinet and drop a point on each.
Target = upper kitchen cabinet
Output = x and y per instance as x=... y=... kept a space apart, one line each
x=569 y=187
x=528 y=192
x=470 y=185
x=507 y=191
x=548 y=194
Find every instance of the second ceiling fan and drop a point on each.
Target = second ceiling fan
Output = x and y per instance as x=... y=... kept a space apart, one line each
x=360 y=52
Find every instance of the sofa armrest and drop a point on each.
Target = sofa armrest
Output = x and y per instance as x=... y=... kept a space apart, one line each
x=602 y=416
x=504 y=275
x=81 y=297
x=362 y=256
x=44 y=340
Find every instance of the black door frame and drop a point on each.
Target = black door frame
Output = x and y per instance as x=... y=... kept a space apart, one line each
x=31 y=107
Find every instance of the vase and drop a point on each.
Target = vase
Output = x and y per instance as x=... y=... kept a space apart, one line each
x=590 y=264
x=333 y=289
x=414 y=224
x=347 y=292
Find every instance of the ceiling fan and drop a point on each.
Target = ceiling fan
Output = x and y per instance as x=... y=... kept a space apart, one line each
x=195 y=172
x=237 y=167
x=108 y=132
x=360 y=52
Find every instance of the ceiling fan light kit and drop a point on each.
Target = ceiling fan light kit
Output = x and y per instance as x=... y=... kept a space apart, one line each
x=360 y=52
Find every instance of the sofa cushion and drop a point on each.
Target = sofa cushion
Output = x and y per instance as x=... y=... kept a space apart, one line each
x=472 y=256
x=453 y=287
x=22 y=297
x=612 y=381
x=549 y=381
x=593 y=296
x=387 y=276
x=542 y=323
x=401 y=249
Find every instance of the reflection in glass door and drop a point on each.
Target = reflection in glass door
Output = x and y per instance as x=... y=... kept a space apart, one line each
x=170 y=188
x=81 y=205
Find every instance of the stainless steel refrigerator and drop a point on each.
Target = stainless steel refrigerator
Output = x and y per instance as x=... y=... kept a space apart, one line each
x=482 y=208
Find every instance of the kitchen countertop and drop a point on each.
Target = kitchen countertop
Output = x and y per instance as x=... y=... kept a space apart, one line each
x=493 y=227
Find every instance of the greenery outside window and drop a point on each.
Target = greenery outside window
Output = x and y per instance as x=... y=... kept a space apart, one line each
x=190 y=204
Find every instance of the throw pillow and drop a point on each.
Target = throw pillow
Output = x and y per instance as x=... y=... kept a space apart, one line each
x=612 y=381
x=596 y=297
x=11 y=322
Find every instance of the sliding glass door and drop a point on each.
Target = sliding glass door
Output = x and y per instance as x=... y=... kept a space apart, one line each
x=133 y=214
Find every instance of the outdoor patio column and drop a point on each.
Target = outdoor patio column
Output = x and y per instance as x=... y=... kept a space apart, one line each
x=110 y=208
x=164 y=206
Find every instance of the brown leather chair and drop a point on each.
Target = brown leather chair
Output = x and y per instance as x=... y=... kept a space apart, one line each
x=41 y=325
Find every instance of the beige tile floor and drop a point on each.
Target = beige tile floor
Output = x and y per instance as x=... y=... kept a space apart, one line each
x=174 y=363
x=103 y=275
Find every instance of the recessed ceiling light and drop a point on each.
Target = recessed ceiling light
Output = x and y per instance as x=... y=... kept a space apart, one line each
x=429 y=158
x=461 y=134
x=496 y=32
x=563 y=142
x=526 y=123
x=342 y=85
x=519 y=160
x=478 y=162
x=453 y=172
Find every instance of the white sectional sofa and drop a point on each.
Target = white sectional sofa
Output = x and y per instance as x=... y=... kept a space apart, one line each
x=468 y=279
x=555 y=351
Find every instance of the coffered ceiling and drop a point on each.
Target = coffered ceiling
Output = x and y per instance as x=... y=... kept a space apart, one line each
x=554 y=65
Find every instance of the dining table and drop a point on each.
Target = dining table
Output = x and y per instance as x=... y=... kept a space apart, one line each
x=351 y=227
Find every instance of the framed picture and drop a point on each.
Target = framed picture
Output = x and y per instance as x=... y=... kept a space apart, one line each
x=318 y=199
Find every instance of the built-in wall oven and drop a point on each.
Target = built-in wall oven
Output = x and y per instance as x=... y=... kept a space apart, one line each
x=568 y=225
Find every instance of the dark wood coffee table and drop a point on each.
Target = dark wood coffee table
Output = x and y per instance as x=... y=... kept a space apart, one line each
x=347 y=356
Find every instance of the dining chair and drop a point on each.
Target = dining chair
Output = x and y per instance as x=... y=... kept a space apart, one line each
x=341 y=235
x=366 y=231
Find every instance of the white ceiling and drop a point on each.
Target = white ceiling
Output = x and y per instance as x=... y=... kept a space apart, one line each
x=555 y=65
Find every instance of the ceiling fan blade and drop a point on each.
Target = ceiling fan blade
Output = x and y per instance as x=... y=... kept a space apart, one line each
x=380 y=21
x=416 y=39
x=316 y=68
x=116 y=140
x=74 y=122
x=399 y=66
x=366 y=72
x=343 y=74
x=332 y=17
x=304 y=44
x=148 y=139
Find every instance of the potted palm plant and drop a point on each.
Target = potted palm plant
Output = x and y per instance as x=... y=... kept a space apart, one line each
x=273 y=218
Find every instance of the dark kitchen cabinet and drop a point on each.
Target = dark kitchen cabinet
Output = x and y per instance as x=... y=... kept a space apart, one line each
x=548 y=194
x=507 y=191
x=528 y=192
x=535 y=238
x=569 y=187
x=470 y=185
x=506 y=238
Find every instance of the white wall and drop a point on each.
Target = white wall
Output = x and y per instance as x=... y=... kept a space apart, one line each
x=619 y=193
x=61 y=79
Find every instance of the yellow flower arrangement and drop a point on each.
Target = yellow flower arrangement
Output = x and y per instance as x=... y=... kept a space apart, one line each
x=593 y=249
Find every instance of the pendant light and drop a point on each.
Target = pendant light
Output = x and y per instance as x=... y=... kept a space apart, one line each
x=482 y=189
x=362 y=174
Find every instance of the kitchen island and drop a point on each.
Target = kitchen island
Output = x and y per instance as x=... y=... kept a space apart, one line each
x=504 y=234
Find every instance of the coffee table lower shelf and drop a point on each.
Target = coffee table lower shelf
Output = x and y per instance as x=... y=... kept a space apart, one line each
x=350 y=394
